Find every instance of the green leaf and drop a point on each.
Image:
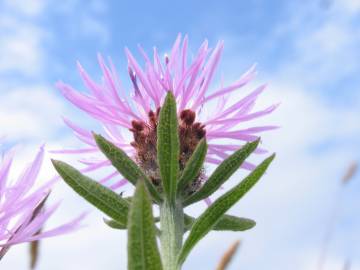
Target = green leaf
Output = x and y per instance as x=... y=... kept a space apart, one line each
x=233 y=223
x=115 y=224
x=143 y=253
x=128 y=199
x=168 y=147
x=120 y=226
x=212 y=215
x=222 y=173
x=101 y=197
x=193 y=166
x=226 y=223
x=125 y=165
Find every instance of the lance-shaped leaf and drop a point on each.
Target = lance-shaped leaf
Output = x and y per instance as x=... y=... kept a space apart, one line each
x=233 y=223
x=101 y=197
x=120 y=226
x=115 y=224
x=225 y=223
x=222 y=173
x=213 y=214
x=125 y=165
x=143 y=253
x=193 y=166
x=168 y=147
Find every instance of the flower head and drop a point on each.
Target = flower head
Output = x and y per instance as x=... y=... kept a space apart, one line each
x=190 y=82
x=22 y=208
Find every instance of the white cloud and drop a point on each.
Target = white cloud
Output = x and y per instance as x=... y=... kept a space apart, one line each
x=329 y=40
x=21 y=40
x=30 y=112
x=21 y=51
x=28 y=8
x=349 y=6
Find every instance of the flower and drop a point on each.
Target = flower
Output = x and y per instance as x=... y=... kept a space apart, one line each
x=22 y=210
x=109 y=103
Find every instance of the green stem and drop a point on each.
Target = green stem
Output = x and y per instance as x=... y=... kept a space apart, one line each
x=172 y=230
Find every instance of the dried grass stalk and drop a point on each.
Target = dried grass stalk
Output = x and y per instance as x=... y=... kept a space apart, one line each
x=350 y=172
x=228 y=255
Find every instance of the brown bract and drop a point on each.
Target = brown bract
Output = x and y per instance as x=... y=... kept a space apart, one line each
x=145 y=143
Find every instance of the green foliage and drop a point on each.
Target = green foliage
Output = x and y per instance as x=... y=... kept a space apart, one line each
x=222 y=173
x=233 y=223
x=193 y=166
x=213 y=214
x=168 y=147
x=115 y=224
x=101 y=197
x=225 y=223
x=125 y=165
x=143 y=253
x=120 y=226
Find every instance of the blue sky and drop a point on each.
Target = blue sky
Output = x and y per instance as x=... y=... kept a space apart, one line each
x=308 y=52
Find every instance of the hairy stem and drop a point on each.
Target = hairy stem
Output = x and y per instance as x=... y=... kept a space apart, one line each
x=172 y=230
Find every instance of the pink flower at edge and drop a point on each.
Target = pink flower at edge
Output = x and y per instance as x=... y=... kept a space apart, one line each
x=22 y=210
x=109 y=103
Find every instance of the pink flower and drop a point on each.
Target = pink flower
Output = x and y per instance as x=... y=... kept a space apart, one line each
x=22 y=210
x=218 y=114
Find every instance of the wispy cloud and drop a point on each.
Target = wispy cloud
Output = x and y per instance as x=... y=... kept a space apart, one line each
x=30 y=8
x=325 y=42
x=30 y=113
x=20 y=40
x=87 y=21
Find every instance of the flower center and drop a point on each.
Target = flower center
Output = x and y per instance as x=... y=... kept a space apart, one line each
x=145 y=143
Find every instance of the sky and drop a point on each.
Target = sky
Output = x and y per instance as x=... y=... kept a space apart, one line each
x=307 y=51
